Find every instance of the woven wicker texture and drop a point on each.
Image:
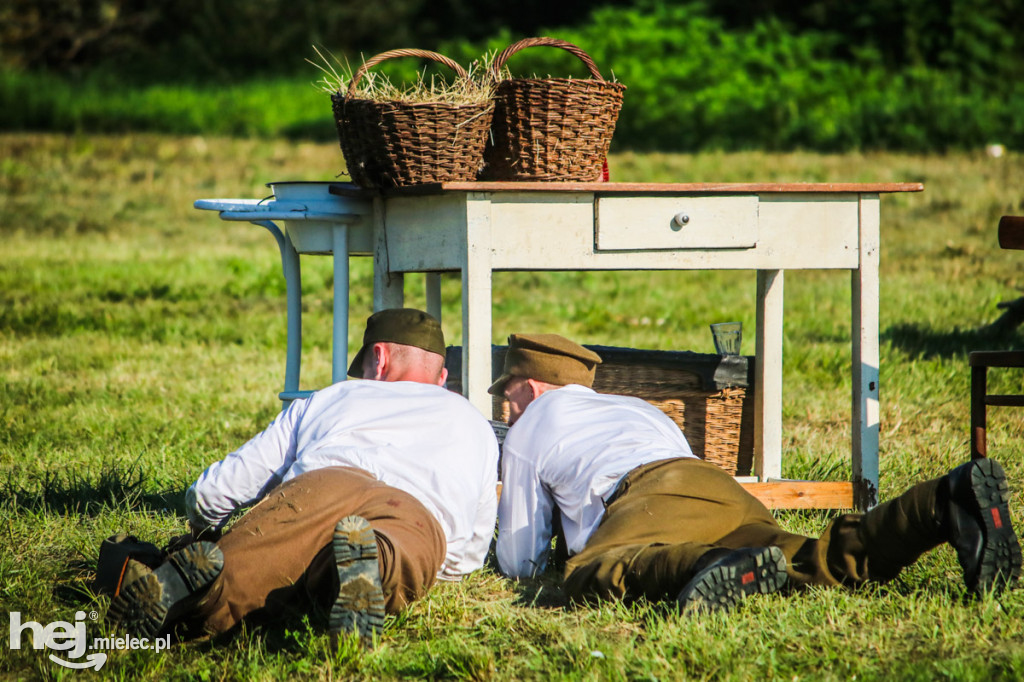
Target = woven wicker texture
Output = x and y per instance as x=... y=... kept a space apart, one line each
x=551 y=128
x=397 y=144
x=713 y=421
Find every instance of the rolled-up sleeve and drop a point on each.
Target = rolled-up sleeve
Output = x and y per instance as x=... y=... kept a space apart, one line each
x=247 y=474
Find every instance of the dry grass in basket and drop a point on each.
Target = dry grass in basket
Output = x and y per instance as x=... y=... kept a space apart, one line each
x=377 y=87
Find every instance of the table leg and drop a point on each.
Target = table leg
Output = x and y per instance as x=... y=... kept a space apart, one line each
x=864 y=306
x=476 y=305
x=768 y=389
x=388 y=287
x=293 y=296
x=433 y=286
x=339 y=351
x=979 y=389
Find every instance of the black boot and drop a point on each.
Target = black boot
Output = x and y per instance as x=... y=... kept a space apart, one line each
x=731 y=577
x=979 y=528
x=148 y=605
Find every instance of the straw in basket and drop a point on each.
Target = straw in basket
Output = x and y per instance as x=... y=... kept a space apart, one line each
x=397 y=144
x=551 y=128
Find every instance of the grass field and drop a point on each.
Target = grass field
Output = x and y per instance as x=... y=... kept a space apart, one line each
x=141 y=339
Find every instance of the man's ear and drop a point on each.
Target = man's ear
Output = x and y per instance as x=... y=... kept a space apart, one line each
x=536 y=388
x=444 y=376
x=382 y=361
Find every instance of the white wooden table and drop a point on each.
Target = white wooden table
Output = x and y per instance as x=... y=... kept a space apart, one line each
x=479 y=228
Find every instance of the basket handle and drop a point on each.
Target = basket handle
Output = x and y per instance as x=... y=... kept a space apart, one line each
x=500 y=60
x=391 y=54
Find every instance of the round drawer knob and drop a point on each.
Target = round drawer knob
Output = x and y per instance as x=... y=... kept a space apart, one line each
x=681 y=219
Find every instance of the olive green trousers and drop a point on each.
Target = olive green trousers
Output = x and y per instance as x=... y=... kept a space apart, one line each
x=664 y=516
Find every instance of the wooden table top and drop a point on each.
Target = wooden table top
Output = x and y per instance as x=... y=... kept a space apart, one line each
x=646 y=188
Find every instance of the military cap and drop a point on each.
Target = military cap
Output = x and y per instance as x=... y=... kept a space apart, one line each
x=405 y=326
x=549 y=358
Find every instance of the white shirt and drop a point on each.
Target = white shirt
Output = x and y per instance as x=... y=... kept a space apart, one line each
x=419 y=438
x=570 y=448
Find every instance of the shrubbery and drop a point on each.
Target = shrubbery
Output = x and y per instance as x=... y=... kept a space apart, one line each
x=693 y=83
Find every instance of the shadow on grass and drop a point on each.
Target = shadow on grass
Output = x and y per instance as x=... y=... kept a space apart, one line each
x=919 y=341
x=72 y=492
x=74 y=586
x=288 y=631
x=544 y=592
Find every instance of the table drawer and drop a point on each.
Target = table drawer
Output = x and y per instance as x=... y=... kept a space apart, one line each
x=630 y=223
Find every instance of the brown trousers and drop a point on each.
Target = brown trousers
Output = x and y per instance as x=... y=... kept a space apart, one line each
x=666 y=515
x=278 y=557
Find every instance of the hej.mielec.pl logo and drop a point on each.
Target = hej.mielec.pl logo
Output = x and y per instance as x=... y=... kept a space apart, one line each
x=71 y=638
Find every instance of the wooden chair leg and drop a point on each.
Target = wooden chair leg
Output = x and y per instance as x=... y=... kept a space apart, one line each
x=979 y=447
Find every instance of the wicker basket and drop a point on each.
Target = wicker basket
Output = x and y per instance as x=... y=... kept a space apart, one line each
x=551 y=128
x=397 y=144
x=710 y=397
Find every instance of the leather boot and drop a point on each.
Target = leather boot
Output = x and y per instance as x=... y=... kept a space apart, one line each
x=730 y=577
x=152 y=602
x=978 y=526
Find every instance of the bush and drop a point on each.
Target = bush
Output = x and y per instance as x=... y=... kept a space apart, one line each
x=692 y=84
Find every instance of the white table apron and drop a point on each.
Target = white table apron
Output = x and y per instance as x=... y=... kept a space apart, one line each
x=478 y=228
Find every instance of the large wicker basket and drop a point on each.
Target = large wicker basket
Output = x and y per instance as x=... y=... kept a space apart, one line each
x=397 y=144
x=551 y=128
x=710 y=397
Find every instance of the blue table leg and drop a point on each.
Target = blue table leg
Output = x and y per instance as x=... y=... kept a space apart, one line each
x=293 y=284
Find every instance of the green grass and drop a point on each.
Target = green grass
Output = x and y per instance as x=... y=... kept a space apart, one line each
x=141 y=339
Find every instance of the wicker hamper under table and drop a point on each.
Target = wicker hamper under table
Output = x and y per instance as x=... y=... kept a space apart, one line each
x=710 y=397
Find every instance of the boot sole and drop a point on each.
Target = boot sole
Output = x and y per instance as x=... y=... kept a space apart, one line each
x=1000 y=553
x=359 y=606
x=142 y=606
x=723 y=586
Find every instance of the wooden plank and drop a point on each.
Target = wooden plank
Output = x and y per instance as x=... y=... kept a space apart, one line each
x=796 y=494
x=996 y=358
x=1005 y=400
x=670 y=188
x=349 y=190
x=1011 y=232
x=803 y=494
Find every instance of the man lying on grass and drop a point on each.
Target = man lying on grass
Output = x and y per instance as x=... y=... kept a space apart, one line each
x=643 y=517
x=367 y=491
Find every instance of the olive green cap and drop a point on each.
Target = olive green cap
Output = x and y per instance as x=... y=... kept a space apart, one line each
x=550 y=358
x=406 y=326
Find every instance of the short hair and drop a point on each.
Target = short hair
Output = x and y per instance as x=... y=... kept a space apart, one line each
x=411 y=356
